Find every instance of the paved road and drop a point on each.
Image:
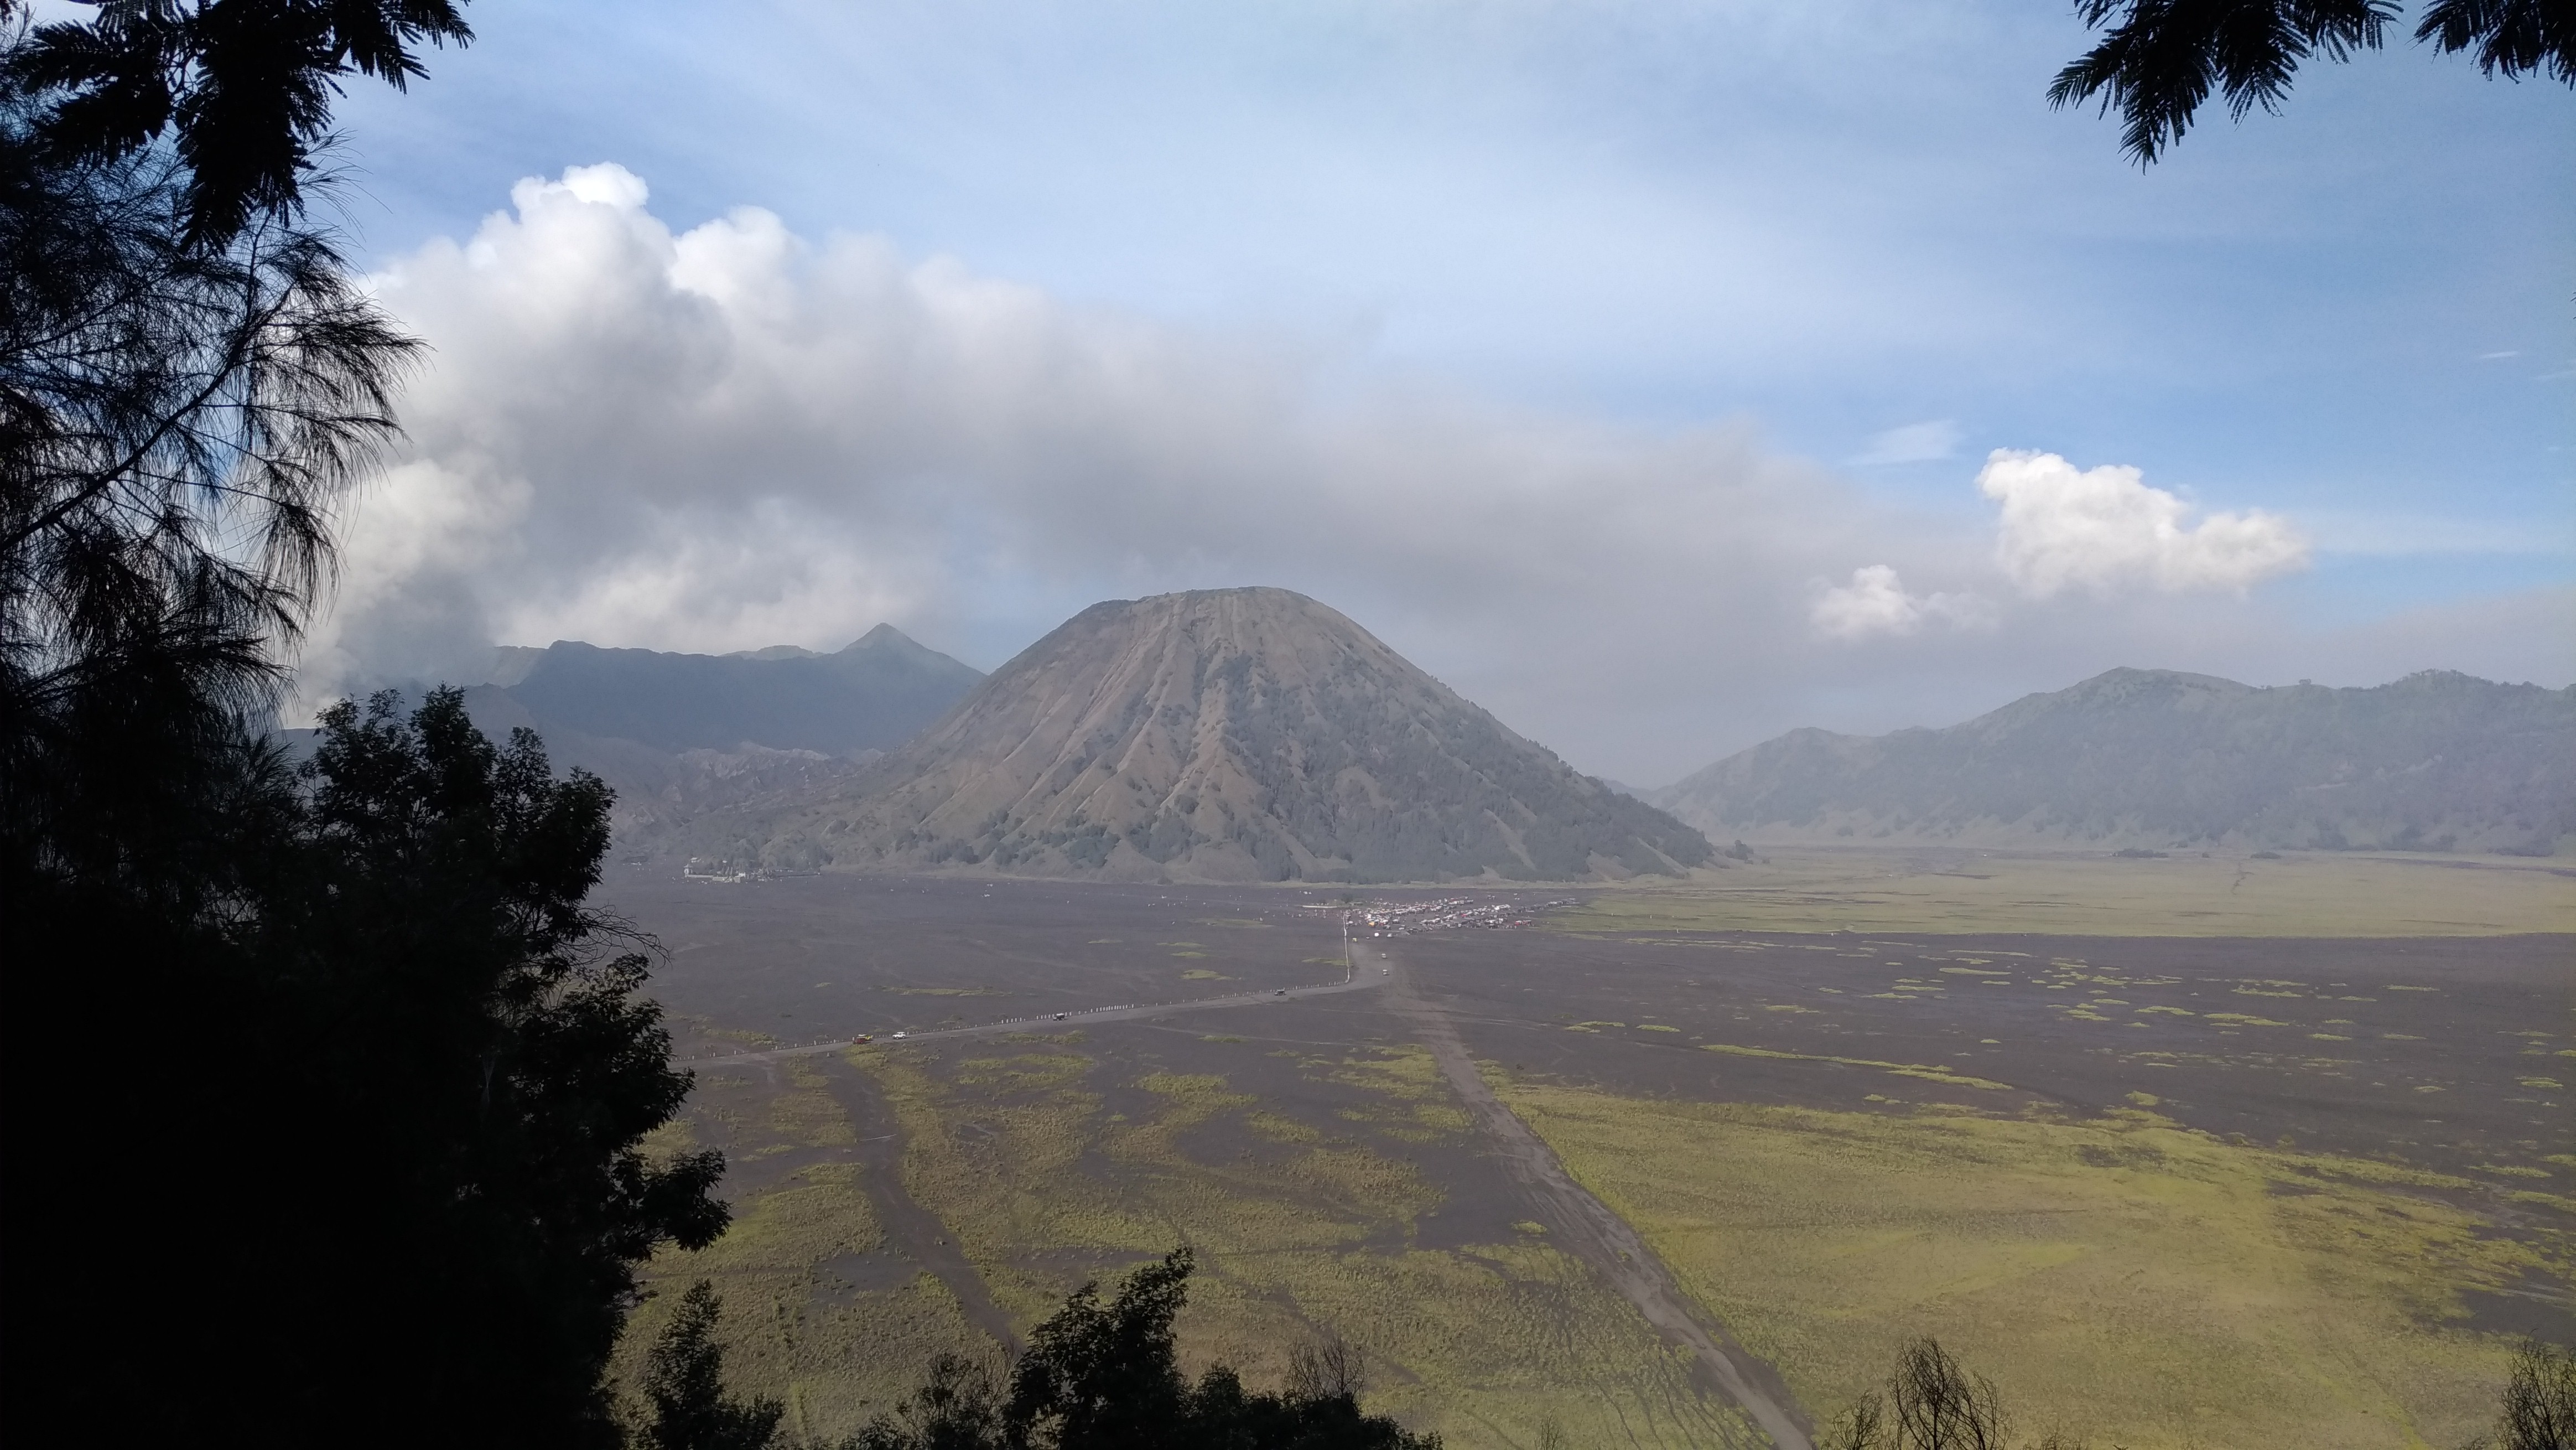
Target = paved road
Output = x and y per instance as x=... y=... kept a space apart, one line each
x=1352 y=981
x=1586 y=1226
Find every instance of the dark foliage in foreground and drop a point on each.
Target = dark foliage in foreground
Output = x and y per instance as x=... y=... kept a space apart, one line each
x=1105 y=1377
x=323 y=1089
x=346 y=1078
x=2159 y=61
x=241 y=88
x=684 y=1385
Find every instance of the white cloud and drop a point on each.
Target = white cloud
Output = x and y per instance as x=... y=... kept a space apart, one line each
x=732 y=436
x=1875 y=602
x=2102 y=530
x=1913 y=443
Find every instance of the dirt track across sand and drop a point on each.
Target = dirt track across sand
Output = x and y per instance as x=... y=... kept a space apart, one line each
x=1586 y=1227
x=1062 y=1021
x=914 y=1231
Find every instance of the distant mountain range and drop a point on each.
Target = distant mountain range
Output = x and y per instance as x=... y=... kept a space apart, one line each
x=2154 y=759
x=1227 y=735
x=873 y=695
x=682 y=735
x=1255 y=734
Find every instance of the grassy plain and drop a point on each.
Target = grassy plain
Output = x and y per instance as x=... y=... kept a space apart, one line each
x=1319 y=1166
x=2167 y=1191
x=2121 y=1278
x=2307 y=894
x=1321 y=1186
x=2259 y=1180
x=814 y=1291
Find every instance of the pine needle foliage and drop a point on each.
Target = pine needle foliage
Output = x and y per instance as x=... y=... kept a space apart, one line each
x=2159 y=61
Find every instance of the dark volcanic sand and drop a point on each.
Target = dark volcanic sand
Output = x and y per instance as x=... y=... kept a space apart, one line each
x=822 y=957
x=2426 y=1051
x=2416 y=1048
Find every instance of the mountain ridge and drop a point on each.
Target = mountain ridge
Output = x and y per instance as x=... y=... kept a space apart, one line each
x=872 y=694
x=2161 y=758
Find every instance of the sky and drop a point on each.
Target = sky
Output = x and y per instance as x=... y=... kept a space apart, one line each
x=1660 y=375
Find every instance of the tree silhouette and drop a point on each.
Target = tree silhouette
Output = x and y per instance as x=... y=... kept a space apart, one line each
x=2159 y=61
x=242 y=89
x=379 y=1075
x=1938 y=1405
x=381 y=1083
x=2539 y=1400
x=957 y=1407
x=1106 y=1377
x=1102 y=1375
x=1932 y=1403
x=474 y=1030
x=684 y=1383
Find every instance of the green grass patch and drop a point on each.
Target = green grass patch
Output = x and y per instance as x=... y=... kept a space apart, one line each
x=2122 y=1279
x=2307 y=895
x=1299 y=1220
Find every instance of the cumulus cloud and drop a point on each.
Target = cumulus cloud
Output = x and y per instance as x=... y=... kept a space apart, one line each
x=731 y=436
x=2101 y=530
x=1876 y=602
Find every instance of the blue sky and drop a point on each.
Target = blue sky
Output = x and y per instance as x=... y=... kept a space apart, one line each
x=1851 y=238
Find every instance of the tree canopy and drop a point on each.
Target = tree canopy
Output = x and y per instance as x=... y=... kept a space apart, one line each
x=325 y=1086
x=684 y=1385
x=242 y=88
x=2160 y=61
x=380 y=1089
x=1107 y=1376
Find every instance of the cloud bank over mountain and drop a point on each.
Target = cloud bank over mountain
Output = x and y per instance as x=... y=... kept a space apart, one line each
x=732 y=436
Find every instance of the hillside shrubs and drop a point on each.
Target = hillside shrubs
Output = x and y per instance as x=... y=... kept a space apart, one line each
x=1105 y=1376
